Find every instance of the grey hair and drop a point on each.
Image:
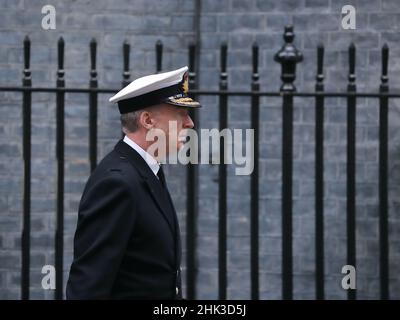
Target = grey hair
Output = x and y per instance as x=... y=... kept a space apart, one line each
x=130 y=121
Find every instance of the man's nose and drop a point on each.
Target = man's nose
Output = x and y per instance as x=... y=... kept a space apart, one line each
x=188 y=122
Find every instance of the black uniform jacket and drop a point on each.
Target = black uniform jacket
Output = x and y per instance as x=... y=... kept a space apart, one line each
x=127 y=241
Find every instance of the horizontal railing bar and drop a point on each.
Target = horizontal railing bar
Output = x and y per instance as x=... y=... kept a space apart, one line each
x=217 y=92
x=299 y=94
x=44 y=89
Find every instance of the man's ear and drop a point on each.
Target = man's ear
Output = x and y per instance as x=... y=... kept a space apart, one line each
x=146 y=120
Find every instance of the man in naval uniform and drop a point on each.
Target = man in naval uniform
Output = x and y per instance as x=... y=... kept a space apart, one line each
x=127 y=242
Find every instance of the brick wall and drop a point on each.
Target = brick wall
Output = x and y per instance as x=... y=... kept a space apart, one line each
x=239 y=23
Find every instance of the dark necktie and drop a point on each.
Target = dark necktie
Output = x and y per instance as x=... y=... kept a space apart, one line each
x=161 y=177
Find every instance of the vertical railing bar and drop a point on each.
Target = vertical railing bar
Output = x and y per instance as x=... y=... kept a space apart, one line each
x=351 y=167
x=26 y=223
x=222 y=173
x=287 y=201
x=59 y=236
x=192 y=195
x=254 y=188
x=383 y=179
x=319 y=177
x=159 y=54
x=126 y=74
x=93 y=107
x=288 y=56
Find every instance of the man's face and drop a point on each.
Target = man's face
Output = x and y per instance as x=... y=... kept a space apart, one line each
x=174 y=121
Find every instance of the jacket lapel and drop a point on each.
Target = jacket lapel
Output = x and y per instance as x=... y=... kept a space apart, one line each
x=159 y=198
x=151 y=182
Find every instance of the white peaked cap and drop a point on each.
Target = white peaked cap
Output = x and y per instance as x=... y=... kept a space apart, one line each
x=167 y=87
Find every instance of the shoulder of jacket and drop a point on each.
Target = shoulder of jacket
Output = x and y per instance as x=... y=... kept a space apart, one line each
x=115 y=166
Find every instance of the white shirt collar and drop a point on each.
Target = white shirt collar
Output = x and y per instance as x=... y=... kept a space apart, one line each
x=151 y=162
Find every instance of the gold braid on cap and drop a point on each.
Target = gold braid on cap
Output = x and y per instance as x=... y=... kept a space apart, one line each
x=182 y=98
x=184 y=101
